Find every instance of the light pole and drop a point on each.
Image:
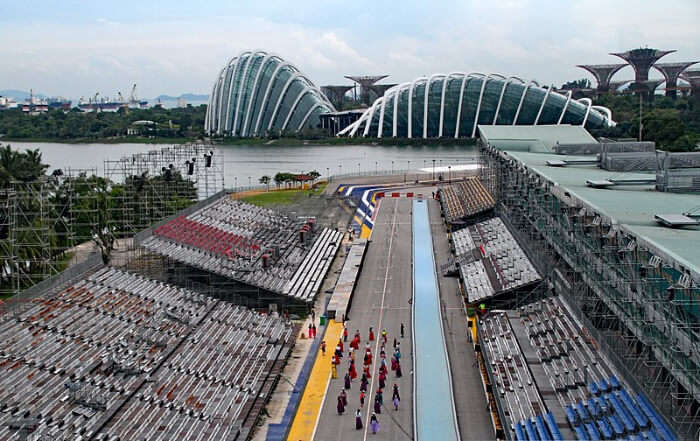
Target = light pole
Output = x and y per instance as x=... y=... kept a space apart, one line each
x=358 y=168
x=392 y=167
x=376 y=167
x=408 y=168
x=433 y=169
x=449 y=173
x=249 y=183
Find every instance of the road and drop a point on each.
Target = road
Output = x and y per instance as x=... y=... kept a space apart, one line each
x=380 y=301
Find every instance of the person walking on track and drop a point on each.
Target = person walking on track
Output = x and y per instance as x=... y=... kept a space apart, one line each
x=374 y=424
x=341 y=405
x=395 y=397
x=358 y=420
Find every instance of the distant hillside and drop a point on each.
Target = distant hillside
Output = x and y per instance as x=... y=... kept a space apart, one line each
x=185 y=96
x=18 y=95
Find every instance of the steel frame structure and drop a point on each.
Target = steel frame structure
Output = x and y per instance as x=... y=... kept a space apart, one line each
x=641 y=306
x=41 y=223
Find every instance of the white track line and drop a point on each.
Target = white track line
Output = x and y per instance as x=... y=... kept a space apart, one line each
x=375 y=355
x=323 y=401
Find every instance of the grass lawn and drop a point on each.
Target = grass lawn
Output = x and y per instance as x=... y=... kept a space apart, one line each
x=282 y=197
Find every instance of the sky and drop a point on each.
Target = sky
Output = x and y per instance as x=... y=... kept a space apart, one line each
x=75 y=48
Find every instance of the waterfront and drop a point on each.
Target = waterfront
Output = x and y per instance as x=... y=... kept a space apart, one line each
x=244 y=163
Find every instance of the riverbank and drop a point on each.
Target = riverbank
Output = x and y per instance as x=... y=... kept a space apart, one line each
x=112 y=140
x=342 y=141
x=286 y=142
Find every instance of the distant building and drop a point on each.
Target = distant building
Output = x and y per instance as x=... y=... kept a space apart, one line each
x=451 y=106
x=246 y=102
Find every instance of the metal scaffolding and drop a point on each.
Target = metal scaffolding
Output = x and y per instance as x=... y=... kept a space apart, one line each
x=641 y=306
x=41 y=225
x=60 y=219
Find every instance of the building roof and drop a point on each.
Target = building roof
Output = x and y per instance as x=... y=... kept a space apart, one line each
x=632 y=207
x=534 y=138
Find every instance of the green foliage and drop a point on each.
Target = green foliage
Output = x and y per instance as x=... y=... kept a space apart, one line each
x=77 y=126
x=282 y=197
x=673 y=124
x=583 y=83
x=20 y=166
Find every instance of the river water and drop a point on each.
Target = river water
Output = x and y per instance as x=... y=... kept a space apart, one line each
x=244 y=164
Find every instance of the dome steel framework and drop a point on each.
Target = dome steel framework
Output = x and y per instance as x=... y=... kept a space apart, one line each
x=452 y=105
x=258 y=94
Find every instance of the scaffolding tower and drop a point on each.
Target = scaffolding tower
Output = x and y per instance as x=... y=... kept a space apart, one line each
x=641 y=306
x=42 y=224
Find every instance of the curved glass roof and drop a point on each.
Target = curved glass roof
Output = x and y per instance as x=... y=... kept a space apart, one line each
x=257 y=94
x=452 y=105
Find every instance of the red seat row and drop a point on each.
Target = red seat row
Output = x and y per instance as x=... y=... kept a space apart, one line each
x=196 y=234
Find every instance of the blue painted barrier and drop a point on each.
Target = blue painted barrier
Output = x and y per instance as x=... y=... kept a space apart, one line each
x=434 y=412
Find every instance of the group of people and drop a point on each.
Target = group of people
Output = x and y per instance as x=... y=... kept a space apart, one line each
x=351 y=373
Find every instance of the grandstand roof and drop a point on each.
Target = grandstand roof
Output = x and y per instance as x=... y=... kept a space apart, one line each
x=633 y=207
x=534 y=138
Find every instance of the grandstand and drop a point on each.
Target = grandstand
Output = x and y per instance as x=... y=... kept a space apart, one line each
x=552 y=383
x=464 y=201
x=113 y=355
x=490 y=260
x=251 y=245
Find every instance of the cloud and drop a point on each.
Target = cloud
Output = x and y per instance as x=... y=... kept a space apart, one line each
x=543 y=40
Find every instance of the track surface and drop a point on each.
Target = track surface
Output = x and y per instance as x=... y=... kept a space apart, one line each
x=380 y=301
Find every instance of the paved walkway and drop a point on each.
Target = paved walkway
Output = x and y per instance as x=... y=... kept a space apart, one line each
x=309 y=408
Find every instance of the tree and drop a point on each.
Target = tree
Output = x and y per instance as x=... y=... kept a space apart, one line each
x=583 y=83
x=265 y=180
x=313 y=174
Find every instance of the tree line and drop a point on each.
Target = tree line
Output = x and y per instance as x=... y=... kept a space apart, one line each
x=674 y=125
x=183 y=122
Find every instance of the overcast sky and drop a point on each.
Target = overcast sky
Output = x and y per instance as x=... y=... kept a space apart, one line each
x=75 y=48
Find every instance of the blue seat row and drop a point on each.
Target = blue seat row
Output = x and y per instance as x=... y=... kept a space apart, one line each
x=519 y=434
x=656 y=420
x=605 y=429
x=616 y=425
x=580 y=433
x=543 y=428
x=530 y=430
x=639 y=417
x=621 y=412
x=553 y=428
x=592 y=432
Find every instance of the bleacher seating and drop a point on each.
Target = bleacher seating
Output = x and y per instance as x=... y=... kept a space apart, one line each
x=118 y=355
x=251 y=244
x=597 y=405
x=502 y=264
x=463 y=200
x=512 y=380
